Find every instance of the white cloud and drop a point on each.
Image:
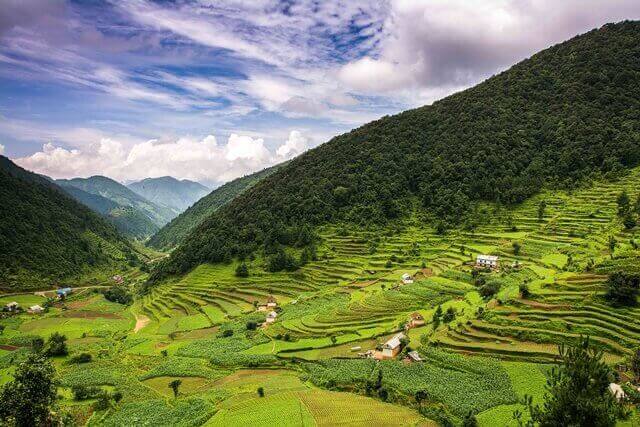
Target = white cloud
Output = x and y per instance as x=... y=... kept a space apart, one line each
x=295 y=145
x=200 y=160
x=1 y=149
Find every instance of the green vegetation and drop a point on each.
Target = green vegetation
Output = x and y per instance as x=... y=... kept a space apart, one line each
x=48 y=237
x=174 y=233
x=169 y=192
x=495 y=142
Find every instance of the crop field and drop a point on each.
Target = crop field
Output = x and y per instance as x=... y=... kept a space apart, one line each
x=205 y=328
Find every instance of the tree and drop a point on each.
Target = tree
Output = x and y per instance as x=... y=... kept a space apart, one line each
x=489 y=289
x=1 y=329
x=577 y=392
x=635 y=363
x=623 y=202
x=449 y=315
x=629 y=221
x=623 y=289
x=470 y=420
x=524 y=290
x=175 y=386
x=541 y=208
x=28 y=399
x=57 y=345
x=242 y=270
x=260 y=391
x=612 y=245
x=421 y=396
x=437 y=315
x=516 y=248
x=118 y=294
x=252 y=325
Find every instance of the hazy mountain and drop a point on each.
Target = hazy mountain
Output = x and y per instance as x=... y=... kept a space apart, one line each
x=169 y=192
x=123 y=196
x=173 y=233
x=565 y=114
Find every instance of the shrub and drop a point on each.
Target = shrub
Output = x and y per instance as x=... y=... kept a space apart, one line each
x=242 y=270
x=83 y=392
x=118 y=294
x=81 y=358
x=524 y=290
x=57 y=345
x=489 y=289
x=622 y=289
x=260 y=391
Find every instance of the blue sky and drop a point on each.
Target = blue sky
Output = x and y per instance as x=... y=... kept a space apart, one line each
x=211 y=90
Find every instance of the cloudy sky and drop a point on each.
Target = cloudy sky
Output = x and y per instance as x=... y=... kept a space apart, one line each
x=213 y=89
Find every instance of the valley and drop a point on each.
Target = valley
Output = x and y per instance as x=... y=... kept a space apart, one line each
x=204 y=328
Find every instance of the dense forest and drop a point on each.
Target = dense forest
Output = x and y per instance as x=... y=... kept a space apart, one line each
x=174 y=233
x=565 y=114
x=46 y=235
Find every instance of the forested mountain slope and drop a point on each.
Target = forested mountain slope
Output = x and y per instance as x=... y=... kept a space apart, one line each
x=174 y=233
x=46 y=235
x=569 y=112
x=123 y=196
x=129 y=221
x=169 y=192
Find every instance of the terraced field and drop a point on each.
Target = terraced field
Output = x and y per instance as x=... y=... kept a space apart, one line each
x=204 y=328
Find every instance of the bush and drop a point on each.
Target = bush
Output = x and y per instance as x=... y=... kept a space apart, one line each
x=489 y=289
x=524 y=290
x=118 y=294
x=81 y=358
x=227 y=333
x=622 y=289
x=242 y=270
x=56 y=345
x=252 y=326
x=83 y=392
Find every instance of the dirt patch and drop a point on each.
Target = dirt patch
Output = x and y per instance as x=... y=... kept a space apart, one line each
x=543 y=306
x=362 y=284
x=141 y=322
x=74 y=305
x=90 y=315
x=8 y=347
x=162 y=344
x=427 y=272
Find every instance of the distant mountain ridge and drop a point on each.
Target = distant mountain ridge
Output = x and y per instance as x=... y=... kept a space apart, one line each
x=174 y=233
x=47 y=236
x=123 y=196
x=170 y=192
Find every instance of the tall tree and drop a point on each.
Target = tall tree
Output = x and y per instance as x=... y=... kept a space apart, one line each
x=28 y=399
x=175 y=386
x=577 y=392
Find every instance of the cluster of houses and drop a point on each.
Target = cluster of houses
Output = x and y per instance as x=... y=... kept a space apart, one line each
x=14 y=307
x=270 y=307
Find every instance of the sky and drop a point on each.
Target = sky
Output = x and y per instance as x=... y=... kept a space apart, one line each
x=210 y=90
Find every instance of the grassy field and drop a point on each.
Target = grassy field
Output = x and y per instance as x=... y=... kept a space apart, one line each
x=201 y=328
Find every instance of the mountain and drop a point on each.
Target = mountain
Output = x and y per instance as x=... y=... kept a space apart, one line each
x=174 y=233
x=47 y=236
x=564 y=115
x=128 y=220
x=123 y=196
x=169 y=192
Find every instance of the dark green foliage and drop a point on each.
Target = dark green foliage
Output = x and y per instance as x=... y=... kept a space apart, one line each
x=280 y=261
x=489 y=289
x=623 y=202
x=83 y=392
x=470 y=420
x=524 y=290
x=449 y=315
x=242 y=270
x=172 y=234
x=175 y=386
x=623 y=289
x=635 y=363
x=260 y=391
x=541 y=207
x=252 y=326
x=227 y=333
x=27 y=400
x=578 y=392
x=81 y=358
x=56 y=345
x=629 y=221
x=45 y=233
x=516 y=248
x=118 y=294
x=563 y=115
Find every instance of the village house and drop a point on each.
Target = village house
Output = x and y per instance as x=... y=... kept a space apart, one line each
x=415 y=320
x=617 y=391
x=271 y=317
x=391 y=348
x=11 y=307
x=487 y=261
x=118 y=279
x=407 y=279
x=63 y=292
x=271 y=302
x=36 y=309
x=413 y=356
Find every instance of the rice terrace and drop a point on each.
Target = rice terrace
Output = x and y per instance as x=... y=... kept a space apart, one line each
x=472 y=262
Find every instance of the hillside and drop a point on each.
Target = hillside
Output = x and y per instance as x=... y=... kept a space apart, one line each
x=129 y=221
x=169 y=192
x=47 y=236
x=566 y=114
x=118 y=193
x=174 y=233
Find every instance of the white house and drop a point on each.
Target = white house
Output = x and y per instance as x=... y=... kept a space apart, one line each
x=407 y=279
x=414 y=356
x=12 y=306
x=271 y=317
x=391 y=348
x=487 y=261
x=36 y=309
x=617 y=391
x=271 y=302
